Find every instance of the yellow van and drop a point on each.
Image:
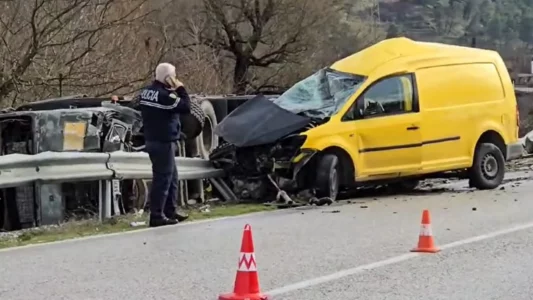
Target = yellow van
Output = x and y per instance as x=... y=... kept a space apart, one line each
x=420 y=109
x=394 y=113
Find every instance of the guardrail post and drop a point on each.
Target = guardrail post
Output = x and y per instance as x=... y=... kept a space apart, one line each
x=183 y=196
x=104 y=201
x=194 y=188
x=116 y=196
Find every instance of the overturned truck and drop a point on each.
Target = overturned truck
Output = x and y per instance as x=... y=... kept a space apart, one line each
x=85 y=124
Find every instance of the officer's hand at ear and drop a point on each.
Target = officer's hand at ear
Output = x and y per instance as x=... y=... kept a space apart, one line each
x=174 y=82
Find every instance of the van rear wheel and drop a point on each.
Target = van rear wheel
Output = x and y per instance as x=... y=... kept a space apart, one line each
x=488 y=169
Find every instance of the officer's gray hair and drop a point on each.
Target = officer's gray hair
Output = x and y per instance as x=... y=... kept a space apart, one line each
x=163 y=71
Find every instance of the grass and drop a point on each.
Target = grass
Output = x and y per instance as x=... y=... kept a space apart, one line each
x=77 y=229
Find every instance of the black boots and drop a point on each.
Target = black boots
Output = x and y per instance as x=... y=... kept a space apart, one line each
x=161 y=221
x=180 y=217
x=169 y=219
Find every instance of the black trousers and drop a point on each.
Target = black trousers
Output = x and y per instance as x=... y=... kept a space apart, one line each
x=165 y=189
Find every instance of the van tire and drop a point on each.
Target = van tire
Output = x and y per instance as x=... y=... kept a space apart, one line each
x=328 y=177
x=488 y=169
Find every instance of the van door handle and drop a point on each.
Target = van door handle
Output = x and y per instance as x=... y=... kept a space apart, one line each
x=413 y=128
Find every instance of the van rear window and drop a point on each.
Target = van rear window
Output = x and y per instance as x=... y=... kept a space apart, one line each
x=465 y=84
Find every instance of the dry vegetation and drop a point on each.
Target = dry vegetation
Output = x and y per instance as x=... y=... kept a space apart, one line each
x=71 y=46
x=50 y=48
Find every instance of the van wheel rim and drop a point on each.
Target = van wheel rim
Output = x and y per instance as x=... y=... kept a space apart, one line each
x=489 y=166
x=333 y=179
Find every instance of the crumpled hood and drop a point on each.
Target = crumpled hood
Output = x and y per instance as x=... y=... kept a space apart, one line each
x=257 y=122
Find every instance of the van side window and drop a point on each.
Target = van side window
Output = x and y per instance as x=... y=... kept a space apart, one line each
x=389 y=96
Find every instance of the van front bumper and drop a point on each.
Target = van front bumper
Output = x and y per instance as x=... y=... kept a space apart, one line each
x=514 y=151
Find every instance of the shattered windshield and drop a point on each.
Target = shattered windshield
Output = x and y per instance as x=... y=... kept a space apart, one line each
x=320 y=95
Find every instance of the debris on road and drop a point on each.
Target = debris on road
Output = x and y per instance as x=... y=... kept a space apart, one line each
x=320 y=202
x=205 y=208
x=528 y=142
x=137 y=224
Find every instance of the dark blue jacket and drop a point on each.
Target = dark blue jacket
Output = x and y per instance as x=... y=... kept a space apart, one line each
x=160 y=109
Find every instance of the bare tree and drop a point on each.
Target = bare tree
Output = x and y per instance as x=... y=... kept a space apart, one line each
x=341 y=33
x=257 y=33
x=82 y=46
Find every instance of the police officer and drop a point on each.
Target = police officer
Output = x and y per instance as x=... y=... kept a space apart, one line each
x=160 y=104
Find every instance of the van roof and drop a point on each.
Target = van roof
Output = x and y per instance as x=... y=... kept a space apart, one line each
x=401 y=53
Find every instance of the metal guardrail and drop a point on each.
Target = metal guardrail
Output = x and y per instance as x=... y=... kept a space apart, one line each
x=46 y=167
x=137 y=165
x=523 y=89
x=54 y=167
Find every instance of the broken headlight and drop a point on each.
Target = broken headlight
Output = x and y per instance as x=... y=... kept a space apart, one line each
x=285 y=150
x=303 y=155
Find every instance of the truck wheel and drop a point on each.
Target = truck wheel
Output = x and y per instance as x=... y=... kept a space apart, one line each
x=488 y=169
x=207 y=141
x=328 y=177
x=222 y=151
x=193 y=123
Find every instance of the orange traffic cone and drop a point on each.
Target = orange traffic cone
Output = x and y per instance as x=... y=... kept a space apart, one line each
x=246 y=282
x=425 y=239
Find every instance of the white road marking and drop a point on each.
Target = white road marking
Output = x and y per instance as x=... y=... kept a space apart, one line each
x=393 y=260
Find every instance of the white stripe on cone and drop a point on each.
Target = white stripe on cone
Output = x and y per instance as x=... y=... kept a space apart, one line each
x=247 y=263
x=425 y=230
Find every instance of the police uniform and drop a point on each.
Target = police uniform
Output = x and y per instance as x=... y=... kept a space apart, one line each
x=160 y=108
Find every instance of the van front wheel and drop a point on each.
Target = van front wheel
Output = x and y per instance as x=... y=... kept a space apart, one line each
x=488 y=169
x=328 y=177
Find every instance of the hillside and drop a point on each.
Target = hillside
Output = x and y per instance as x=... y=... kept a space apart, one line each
x=493 y=23
x=503 y=25
x=103 y=47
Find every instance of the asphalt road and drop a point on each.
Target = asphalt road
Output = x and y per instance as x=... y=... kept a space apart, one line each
x=357 y=250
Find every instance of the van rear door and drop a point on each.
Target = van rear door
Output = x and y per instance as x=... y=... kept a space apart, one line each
x=458 y=104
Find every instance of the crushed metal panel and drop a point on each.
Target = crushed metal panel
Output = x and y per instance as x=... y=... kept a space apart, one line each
x=52 y=207
x=74 y=135
x=48 y=129
x=25 y=205
x=68 y=130
x=92 y=138
x=23 y=196
x=114 y=140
